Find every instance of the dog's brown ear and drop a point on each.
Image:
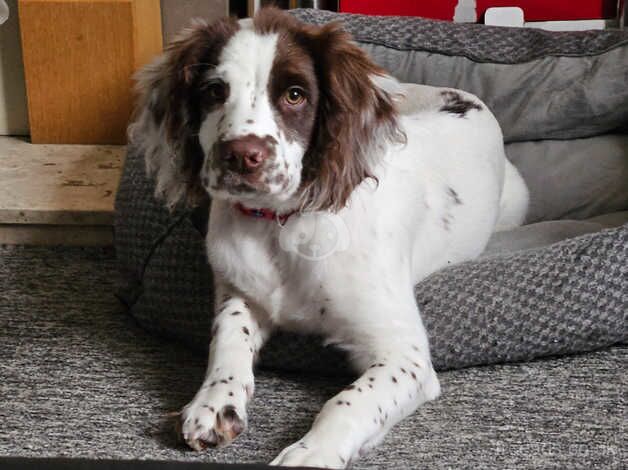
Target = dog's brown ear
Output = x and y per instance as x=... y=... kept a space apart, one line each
x=170 y=111
x=356 y=117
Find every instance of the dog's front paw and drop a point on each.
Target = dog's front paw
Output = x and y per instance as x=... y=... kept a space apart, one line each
x=306 y=453
x=216 y=416
x=207 y=427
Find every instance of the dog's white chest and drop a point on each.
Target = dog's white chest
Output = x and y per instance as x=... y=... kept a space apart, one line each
x=287 y=270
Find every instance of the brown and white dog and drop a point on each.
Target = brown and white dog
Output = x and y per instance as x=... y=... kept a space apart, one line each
x=328 y=204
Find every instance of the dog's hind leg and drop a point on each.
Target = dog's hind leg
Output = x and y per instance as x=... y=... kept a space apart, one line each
x=513 y=204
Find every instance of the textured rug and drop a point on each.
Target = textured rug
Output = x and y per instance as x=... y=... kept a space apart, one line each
x=79 y=378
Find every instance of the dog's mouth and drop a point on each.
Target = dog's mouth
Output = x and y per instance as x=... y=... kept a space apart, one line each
x=237 y=183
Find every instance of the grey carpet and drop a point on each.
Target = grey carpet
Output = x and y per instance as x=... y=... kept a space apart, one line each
x=79 y=378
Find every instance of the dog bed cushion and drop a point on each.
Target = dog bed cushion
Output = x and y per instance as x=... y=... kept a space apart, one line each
x=534 y=293
x=539 y=84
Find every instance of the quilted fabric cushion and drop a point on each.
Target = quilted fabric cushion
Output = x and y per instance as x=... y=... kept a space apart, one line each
x=568 y=297
x=474 y=41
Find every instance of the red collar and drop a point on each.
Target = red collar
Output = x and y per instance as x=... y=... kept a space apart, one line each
x=264 y=213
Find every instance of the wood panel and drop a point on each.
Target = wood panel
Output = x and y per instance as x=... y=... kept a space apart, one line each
x=79 y=57
x=50 y=235
x=58 y=184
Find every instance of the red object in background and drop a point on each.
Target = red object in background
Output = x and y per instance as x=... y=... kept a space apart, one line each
x=438 y=10
x=534 y=10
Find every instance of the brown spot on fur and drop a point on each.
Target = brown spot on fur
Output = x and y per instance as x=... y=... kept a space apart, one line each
x=457 y=104
x=279 y=178
x=454 y=195
x=245 y=330
x=174 y=92
x=351 y=113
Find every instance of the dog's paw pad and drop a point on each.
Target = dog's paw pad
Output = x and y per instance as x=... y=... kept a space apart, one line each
x=229 y=423
x=204 y=426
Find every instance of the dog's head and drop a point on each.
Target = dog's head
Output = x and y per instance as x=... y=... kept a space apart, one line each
x=268 y=112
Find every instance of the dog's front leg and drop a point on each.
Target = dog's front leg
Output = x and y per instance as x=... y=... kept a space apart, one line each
x=217 y=414
x=398 y=379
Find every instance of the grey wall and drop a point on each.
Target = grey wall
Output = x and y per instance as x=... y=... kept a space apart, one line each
x=175 y=14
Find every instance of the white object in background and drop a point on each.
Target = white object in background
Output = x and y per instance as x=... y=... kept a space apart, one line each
x=504 y=16
x=575 y=25
x=4 y=11
x=252 y=6
x=465 y=12
x=13 y=109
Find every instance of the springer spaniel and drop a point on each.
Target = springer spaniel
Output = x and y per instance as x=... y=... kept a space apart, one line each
x=331 y=197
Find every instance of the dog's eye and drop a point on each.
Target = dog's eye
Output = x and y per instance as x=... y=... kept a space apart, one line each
x=216 y=91
x=294 y=96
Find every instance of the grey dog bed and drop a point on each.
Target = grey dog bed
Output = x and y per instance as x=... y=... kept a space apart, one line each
x=551 y=287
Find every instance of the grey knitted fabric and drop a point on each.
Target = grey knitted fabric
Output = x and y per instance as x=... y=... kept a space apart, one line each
x=565 y=298
x=477 y=42
x=78 y=378
x=571 y=296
